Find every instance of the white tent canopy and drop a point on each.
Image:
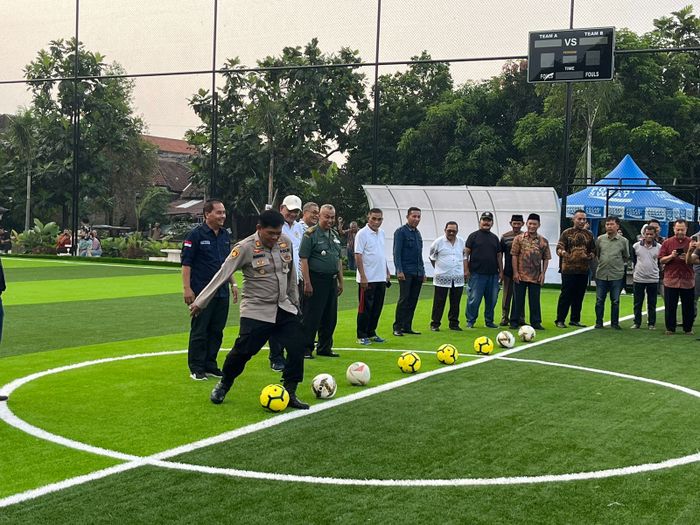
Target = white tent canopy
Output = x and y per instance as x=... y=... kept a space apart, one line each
x=464 y=205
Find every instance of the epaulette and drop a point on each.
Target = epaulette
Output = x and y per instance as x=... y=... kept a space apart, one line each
x=310 y=230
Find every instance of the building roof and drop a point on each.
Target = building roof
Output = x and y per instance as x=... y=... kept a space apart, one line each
x=192 y=207
x=166 y=145
x=172 y=175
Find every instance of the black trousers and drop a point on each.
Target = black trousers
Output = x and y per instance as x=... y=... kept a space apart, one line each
x=440 y=295
x=651 y=290
x=206 y=335
x=409 y=291
x=573 y=290
x=687 y=297
x=277 y=346
x=370 y=304
x=254 y=334
x=321 y=312
x=533 y=300
x=507 y=301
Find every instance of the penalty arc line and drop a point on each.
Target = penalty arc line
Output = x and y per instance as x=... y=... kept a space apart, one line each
x=157 y=459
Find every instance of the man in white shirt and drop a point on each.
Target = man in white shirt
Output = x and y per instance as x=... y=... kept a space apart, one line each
x=290 y=210
x=450 y=263
x=372 y=277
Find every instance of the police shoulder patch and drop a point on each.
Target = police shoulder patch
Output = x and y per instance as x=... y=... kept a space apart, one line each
x=235 y=253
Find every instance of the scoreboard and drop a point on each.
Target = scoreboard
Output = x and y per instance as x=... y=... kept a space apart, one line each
x=571 y=55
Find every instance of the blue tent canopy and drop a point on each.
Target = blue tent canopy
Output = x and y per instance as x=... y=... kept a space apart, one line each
x=631 y=203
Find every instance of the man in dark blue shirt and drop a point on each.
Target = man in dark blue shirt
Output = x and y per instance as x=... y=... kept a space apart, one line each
x=203 y=252
x=410 y=271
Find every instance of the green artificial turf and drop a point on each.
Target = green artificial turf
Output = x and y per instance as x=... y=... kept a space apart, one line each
x=503 y=417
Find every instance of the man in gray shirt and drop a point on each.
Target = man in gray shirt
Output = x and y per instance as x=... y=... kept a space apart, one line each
x=645 y=255
x=613 y=253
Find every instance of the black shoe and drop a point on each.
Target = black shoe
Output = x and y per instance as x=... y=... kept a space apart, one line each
x=295 y=402
x=598 y=326
x=218 y=394
x=328 y=354
x=503 y=323
x=456 y=328
x=198 y=376
x=577 y=324
x=538 y=327
x=398 y=333
x=308 y=355
x=277 y=365
x=561 y=324
x=513 y=326
x=616 y=327
x=434 y=328
x=491 y=325
x=412 y=332
x=3 y=398
x=215 y=373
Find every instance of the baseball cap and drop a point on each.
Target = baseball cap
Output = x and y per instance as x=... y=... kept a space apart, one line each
x=292 y=202
x=487 y=215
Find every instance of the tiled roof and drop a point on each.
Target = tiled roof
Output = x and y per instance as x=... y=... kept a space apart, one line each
x=167 y=145
x=172 y=175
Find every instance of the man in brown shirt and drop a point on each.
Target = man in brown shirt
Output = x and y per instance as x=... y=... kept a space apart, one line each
x=576 y=250
x=679 y=278
x=531 y=255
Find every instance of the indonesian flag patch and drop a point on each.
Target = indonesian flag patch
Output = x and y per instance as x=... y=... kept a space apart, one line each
x=187 y=244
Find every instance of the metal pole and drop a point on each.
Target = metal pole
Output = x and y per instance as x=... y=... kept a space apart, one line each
x=214 y=114
x=567 y=137
x=375 y=139
x=76 y=135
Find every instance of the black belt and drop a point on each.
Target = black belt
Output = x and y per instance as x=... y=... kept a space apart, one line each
x=324 y=275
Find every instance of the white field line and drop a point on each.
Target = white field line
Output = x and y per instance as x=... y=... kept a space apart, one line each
x=157 y=459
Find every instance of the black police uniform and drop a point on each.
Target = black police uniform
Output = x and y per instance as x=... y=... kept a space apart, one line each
x=204 y=252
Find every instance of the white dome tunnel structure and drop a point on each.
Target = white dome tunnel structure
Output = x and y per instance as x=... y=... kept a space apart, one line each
x=464 y=205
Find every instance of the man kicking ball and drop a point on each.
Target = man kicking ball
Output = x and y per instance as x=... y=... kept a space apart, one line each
x=269 y=307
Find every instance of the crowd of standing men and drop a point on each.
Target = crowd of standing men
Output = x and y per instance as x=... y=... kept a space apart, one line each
x=293 y=275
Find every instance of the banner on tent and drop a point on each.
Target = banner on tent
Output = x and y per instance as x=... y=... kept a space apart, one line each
x=633 y=213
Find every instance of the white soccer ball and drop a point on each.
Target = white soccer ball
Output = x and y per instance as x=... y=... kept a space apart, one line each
x=358 y=374
x=324 y=386
x=505 y=339
x=526 y=333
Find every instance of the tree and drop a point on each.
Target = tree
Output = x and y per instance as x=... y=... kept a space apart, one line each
x=111 y=154
x=19 y=141
x=277 y=125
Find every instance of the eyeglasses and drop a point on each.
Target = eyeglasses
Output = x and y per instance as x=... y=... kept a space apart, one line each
x=450 y=231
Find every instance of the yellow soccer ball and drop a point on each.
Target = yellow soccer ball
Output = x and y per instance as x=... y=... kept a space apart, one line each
x=409 y=362
x=447 y=354
x=483 y=345
x=274 y=398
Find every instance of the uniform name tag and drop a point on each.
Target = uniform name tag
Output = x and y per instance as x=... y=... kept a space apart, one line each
x=204 y=242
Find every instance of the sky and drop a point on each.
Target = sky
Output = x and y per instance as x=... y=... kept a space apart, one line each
x=174 y=35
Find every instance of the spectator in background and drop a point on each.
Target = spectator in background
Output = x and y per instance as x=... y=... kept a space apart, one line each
x=613 y=252
x=448 y=259
x=645 y=255
x=85 y=225
x=84 y=244
x=350 y=235
x=5 y=242
x=516 y=222
x=96 y=249
x=63 y=244
x=679 y=278
x=156 y=233
x=410 y=271
x=576 y=251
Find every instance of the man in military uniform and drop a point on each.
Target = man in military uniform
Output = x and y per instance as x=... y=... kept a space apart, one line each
x=203 y=251
x=269 y=306
x=321 y=266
